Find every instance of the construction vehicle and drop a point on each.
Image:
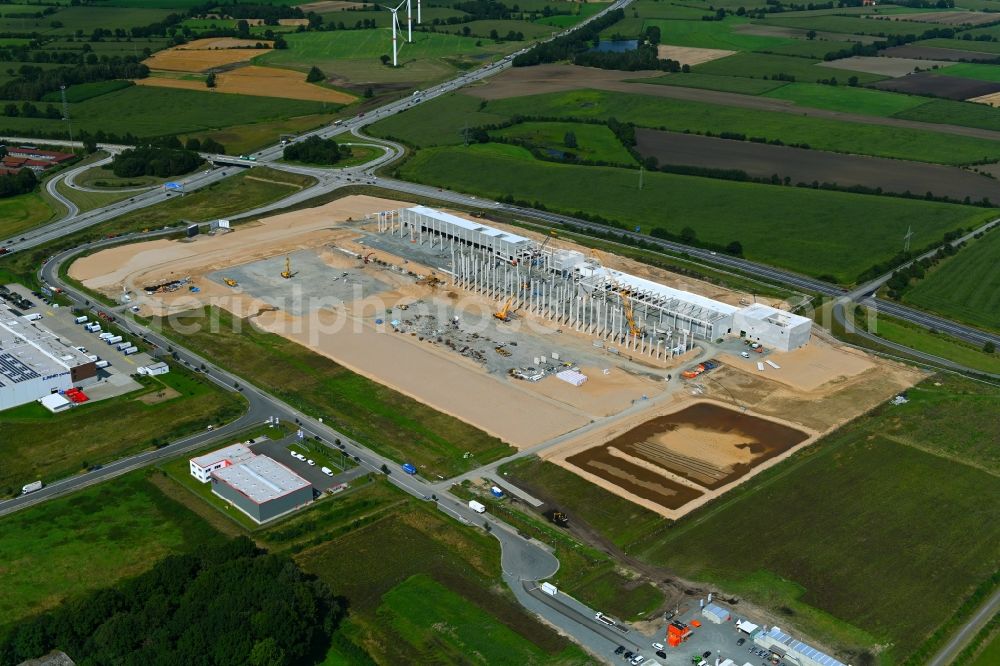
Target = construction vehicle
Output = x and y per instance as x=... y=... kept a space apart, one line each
x=560 y=518
x=287 y=273
x=503 y=314
x=230 y=282
x=368 y=257
x=633 y=327
x=431 y=280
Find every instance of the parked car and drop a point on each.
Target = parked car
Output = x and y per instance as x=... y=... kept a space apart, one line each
x=620 y=649
x=657 y=646
x=661 y=654
x=744 y=354
x=741 y=641
x=311 y=463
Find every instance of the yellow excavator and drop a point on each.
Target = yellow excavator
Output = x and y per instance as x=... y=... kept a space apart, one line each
x=231 y=282
x=503 y=314
x=287 y=273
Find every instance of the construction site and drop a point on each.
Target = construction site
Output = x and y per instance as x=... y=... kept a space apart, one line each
x=632 y=377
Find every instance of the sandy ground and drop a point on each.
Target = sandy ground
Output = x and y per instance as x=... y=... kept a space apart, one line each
x=602 y=395
x=261 y=81
x=883 y=66
x=187 y=60
x=689 y=55
x=220 y=43
x=992 y=99
x=808 y=368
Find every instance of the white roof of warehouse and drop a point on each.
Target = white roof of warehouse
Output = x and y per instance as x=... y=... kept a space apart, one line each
x=656 y=290
x=29 y=350
x=759 y=311
x=262 y=479
x=717 y=611
x=467 y=224
x=801 y=648
x=234 y=453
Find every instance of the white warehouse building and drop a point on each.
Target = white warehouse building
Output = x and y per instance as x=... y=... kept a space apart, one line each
x=35 y=362
x=643 y=316
x=202 y=466
x=772 y=327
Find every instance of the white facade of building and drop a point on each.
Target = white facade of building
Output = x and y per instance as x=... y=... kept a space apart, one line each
x=425 y=224
x=772 y=327
x=34 y=362
x=203 y=466
x=160 y=368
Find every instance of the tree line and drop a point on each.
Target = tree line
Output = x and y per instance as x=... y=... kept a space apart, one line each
x=231 y=605
x=315 y=150
x=22 y=182
x=152 y=160
x=568 y=46
x=33 y=83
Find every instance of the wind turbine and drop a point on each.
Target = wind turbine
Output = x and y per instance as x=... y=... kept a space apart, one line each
x=395 y=28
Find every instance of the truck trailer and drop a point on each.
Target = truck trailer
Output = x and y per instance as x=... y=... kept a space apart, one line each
x=477 y=507
x=113 y=340
x=131 y=350
x=81 y=320
x=31 y=487
x=122 y=346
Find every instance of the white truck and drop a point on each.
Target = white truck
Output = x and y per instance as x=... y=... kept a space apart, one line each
x=106 y=335
x=93 y=328
x=131 y=350
x=477 y=506
x=122 y=346
x=81 y=320
x=31 y=487
x=102 y=364
x=113 y=340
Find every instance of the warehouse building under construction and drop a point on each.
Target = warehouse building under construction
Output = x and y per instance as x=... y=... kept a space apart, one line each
x=644 y=317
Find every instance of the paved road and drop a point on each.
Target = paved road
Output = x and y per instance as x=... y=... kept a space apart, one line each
x=951 y=649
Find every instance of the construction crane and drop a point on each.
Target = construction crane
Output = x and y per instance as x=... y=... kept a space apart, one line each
x=633 y=327
x=287 y=273
x=231 y=282
x=503 y=314
x=368 y=257
x=541 y=248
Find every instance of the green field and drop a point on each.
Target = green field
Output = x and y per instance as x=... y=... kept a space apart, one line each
x=86 y=19
x=821 y=232
x=350 y=17
x=37 y=444
x=990 y=656
x=969 y=70
x=850 y=25
x=733 y=84
x=709 y=34
x=244 y=191
x=386 y=421
x=437 y=122
x=84 y=91
x=679 y=115
x=861 y=524
x=325 y=49
x=190 y=111
x=89 y=540
x=20 y=213
x=814 y=48
x=452 y=563
x=961 y=44
x=761 y=65
x=966 y=286
x=457 y=631
x=595 y=143
x=90 y=200
x=248 y=138
x=847 y=99
x=969 y=114
x=618 y=519
x=937 y=344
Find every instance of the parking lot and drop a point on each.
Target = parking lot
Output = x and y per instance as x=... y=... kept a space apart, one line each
x=280 y=451
x=113 y=380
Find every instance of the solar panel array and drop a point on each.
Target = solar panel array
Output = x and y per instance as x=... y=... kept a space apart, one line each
x=14 y=370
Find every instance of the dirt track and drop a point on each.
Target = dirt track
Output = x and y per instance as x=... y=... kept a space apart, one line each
x=520 y=81
x=806 y=166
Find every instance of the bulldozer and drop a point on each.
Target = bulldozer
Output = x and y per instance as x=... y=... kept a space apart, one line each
x=230 y=282
x=287 y=273
x=503 y=314
x=431 y=280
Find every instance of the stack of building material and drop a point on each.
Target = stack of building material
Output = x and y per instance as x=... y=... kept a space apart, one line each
x=572 y=377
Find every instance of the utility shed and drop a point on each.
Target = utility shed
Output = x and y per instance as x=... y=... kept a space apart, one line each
x=262 y=488
x=716 y=614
